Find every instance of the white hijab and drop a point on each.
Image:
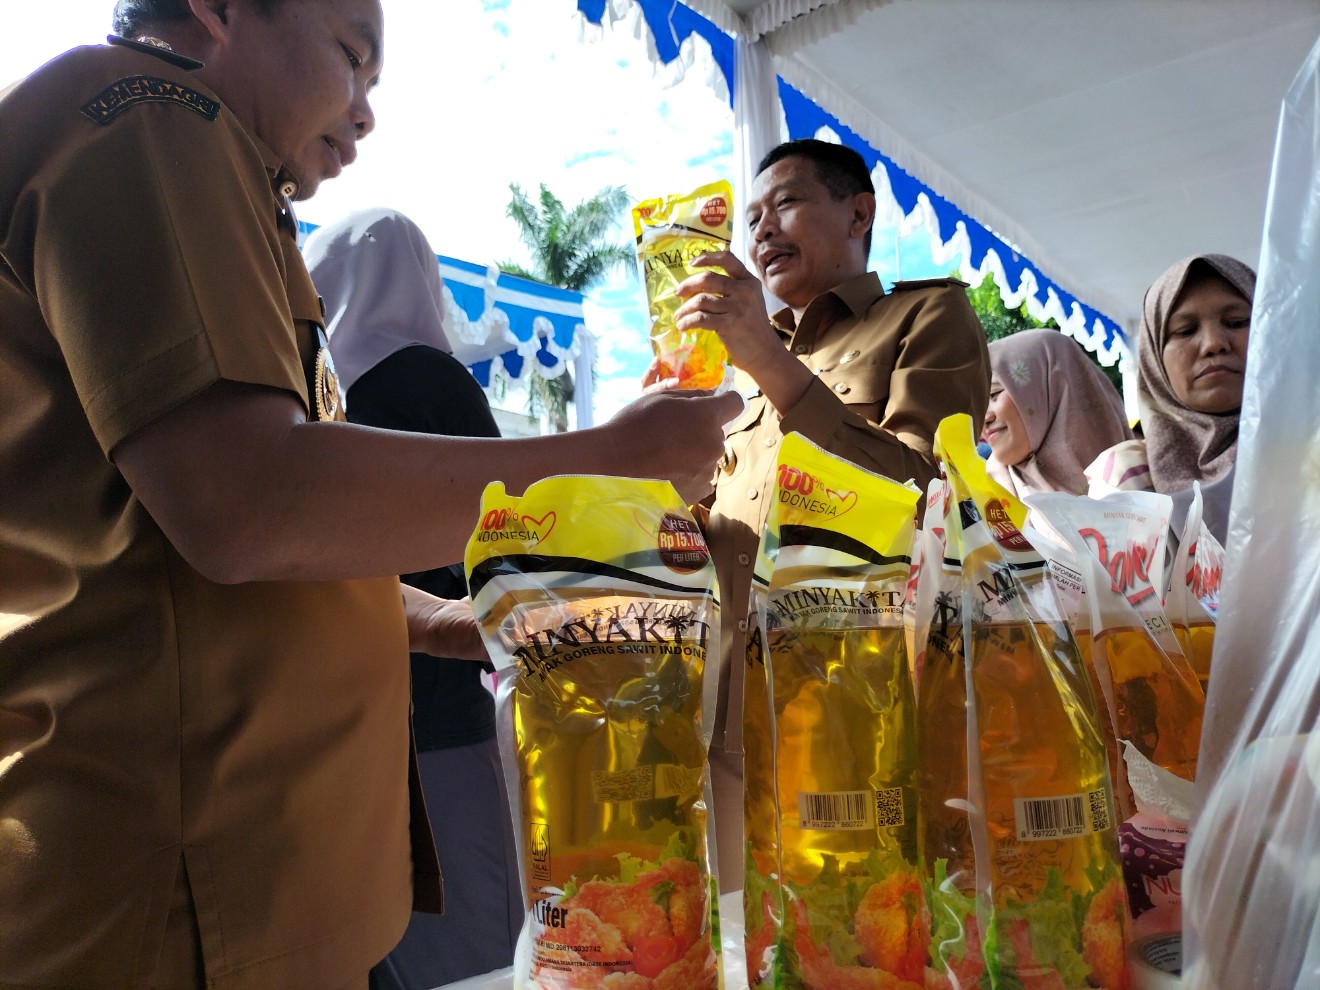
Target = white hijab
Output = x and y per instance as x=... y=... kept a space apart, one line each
x=381 y=285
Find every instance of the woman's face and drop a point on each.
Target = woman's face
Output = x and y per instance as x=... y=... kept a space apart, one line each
x=1205 y=350
x=1004 y=430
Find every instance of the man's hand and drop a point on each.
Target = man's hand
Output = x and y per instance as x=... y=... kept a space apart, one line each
x=674 y=435
x=733 y=305
x=441 y=627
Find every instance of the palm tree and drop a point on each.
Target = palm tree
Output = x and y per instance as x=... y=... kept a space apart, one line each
x=569 y=249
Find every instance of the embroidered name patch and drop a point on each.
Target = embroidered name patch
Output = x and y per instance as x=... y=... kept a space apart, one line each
x=130 y=90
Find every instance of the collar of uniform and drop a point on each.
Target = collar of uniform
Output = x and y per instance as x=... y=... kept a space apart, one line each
x=855 y=296
x=281 y=179
x=165 y=54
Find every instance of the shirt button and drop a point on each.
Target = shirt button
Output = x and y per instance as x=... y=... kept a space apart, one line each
x=770 y=441
x=850 y=356
x=744 y=559
x=752 y=493
x=801 y=349
x=742 y=625
x=288 y=189
x=842 y=389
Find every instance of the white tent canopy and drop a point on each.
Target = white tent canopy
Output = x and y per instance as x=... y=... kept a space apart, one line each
x=1075 y=147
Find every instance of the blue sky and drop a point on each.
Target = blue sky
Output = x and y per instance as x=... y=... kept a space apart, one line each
x=476 y=94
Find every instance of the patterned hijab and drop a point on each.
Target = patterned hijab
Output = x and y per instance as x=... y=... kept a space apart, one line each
x=1070 y=410
x=1183 y=445
x=380 y=282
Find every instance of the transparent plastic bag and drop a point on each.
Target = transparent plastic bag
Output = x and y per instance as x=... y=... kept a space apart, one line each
x=596 y=599
x=834 y=564
x=1019 y=840
x=1251 y=888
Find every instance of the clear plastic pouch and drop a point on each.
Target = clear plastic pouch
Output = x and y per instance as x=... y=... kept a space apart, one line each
x=671 y=231
x=1019 y=841
x=1153 y=699
x=596 y=598
x=835 y=564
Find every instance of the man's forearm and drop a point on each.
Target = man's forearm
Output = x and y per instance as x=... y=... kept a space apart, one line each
x=247 y=490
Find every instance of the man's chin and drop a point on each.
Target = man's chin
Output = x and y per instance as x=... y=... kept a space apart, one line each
x=306 y=189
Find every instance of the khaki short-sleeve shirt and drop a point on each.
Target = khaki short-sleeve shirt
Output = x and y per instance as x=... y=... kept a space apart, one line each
x=254 y=736
x=888 y=368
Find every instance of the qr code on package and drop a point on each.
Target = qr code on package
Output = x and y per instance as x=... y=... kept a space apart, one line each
x=889 y=807
x=1099 y=802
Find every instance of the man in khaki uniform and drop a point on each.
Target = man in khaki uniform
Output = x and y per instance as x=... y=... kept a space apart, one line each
x=864 y=374
x=204 y=698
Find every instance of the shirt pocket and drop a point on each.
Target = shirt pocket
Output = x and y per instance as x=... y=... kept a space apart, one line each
x=740 y=434
x=863 y=388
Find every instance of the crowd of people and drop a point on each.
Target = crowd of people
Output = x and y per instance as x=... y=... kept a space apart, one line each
x=216 y=759
x=1056 y=424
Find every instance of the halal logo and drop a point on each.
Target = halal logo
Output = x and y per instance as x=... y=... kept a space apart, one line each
x=714 y=211
x=539 y=849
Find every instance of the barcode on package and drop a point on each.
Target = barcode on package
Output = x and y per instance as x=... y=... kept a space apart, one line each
x=1052 y=817
x=837 y=811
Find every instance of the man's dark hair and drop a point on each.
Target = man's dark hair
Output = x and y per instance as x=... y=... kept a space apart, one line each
x=839 y=168
x=136 y=17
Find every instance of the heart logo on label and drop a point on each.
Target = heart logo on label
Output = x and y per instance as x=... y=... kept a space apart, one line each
x=542 y=527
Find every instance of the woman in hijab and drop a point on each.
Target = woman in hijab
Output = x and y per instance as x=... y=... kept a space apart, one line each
x=1191 y=361
x=1051 y=412
x=384 y=310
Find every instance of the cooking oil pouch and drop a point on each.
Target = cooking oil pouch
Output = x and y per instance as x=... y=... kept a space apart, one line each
x=1192 y=602
x=671 y=231
x=1066 y=576
x=839 y=541
x=763 y=909
x=1154 y=699
x=1151 y=692
x=596 y=599
x=1019 y=845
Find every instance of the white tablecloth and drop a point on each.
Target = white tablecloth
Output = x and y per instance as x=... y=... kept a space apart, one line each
x=731 y=938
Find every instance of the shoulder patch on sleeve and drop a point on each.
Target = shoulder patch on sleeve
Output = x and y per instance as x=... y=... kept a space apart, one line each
x=927 y=283
x=131 y=90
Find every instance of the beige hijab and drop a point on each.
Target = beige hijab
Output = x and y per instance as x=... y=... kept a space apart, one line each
x=1183 y=445
x=1070 y=410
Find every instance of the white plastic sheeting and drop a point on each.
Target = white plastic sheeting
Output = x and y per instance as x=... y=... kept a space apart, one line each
x=1251 y=886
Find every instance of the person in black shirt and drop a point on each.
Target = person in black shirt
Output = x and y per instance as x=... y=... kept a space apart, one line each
x=384 y=306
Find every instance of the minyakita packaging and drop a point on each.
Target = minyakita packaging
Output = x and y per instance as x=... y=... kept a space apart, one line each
x=596 y=598
x=838 y=547
x=1018 y=838
x=671 y=231
x=763 y=904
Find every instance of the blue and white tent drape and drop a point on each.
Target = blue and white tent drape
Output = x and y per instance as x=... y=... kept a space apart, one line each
x=681 y=40
x=503 y=325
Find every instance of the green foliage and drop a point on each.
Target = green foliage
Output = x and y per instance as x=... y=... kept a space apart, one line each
x=999 y=321
x=570 y=249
